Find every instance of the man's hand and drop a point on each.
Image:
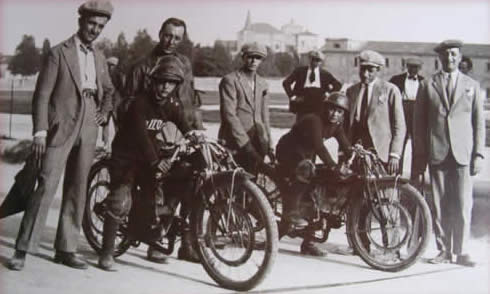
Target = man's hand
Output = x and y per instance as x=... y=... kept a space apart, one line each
x=39 y=148
x=393 y=165
x=162 y=168
x=100 y=119
x=476 y=165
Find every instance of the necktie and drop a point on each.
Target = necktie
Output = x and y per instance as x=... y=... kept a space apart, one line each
x=449 y=89
x=86 y=48
x=364 y=105
x=312 y=76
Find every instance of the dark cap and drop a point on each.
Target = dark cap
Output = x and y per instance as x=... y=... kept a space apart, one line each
x=447 y=44
x=414 y=61
x=170 y=68
x=254 y=49
x=315 y=54
x=95 y=7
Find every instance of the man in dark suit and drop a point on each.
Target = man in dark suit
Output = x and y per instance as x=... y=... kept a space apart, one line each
x=408 y=83
x=72 y=97
x=307 y=86
x=449 y=134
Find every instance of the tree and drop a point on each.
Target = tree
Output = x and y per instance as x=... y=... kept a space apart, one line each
x=285 y=63
x=27 y=58
x=141 y=46
x=204 y=63
x=105 y=45
x=223 y=60
x=268 y=67
x=121 y=50
x=45 y=49
x=186 y=47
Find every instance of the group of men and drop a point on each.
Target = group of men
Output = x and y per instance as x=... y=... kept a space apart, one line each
x=74 y=95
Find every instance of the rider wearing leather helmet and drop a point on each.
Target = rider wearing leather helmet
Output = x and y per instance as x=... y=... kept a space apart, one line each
x=295 y=152
x=136 y=147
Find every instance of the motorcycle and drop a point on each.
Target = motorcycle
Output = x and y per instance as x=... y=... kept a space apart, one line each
x=387 y=221
x=222 y=230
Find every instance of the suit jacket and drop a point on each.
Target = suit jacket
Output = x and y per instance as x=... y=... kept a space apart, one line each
x=386 y=122
x=57 y=99
x=399 y=81
x=243 y=111
x=440 y=128
x=327 y=81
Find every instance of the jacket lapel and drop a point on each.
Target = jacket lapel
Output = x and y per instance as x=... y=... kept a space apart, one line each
x=377 y=92
x=458 y=90
x=438 y=85
x=99 y=68
x=71 y=57
x=247 y=90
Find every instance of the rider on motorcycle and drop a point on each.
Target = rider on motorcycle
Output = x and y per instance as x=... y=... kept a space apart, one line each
x=296 y=150
x=136 y=147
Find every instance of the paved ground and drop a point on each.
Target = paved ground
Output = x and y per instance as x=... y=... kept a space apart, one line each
x=292 y=273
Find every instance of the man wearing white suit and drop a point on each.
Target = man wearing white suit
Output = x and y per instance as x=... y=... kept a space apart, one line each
x=376 y=112
x=449 y=134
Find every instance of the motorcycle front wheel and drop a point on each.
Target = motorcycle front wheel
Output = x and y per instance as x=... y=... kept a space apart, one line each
x=98 y=183
x=392 y=232
x=232 y=251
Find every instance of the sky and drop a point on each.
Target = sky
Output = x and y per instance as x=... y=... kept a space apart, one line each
x=380 y=20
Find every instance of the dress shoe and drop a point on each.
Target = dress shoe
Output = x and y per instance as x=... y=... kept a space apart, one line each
x=154 y=255
x=106 y=262
x=17 y=262
x=465 y=260
x=442 y=257
x=309 y=248
x=70 y=259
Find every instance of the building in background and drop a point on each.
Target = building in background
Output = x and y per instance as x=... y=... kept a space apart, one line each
x=341 y=59
x=291 y=37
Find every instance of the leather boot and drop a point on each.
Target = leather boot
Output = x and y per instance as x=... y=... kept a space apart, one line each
x=186 y=250
x=106 y=258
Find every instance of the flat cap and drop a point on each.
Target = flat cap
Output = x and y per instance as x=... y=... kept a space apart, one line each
x=113 y=60
x=370 y=57
x=254 y=49
x=414 y=61
x=316 y=54
x=96 y=7
x=447 y=44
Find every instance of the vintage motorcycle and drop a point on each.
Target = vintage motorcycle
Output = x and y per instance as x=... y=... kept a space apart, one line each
x=223 y=232
x=387 y=220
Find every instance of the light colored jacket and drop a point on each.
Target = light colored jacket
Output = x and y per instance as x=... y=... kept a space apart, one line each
x=242 y=109
x=57 y=98
x=440 y=128
x=386 y=121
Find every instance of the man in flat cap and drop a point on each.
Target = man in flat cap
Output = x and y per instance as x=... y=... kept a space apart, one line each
x=307 y=86
x=449 y=134
x=172 y=32
x=72 y=97
x=408 y=83
x=376 y=112
x=244 y=109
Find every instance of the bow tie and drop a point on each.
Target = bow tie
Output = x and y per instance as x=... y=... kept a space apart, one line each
x=412 y=78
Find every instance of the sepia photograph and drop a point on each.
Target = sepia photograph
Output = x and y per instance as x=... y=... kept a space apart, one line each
x=277 y=146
